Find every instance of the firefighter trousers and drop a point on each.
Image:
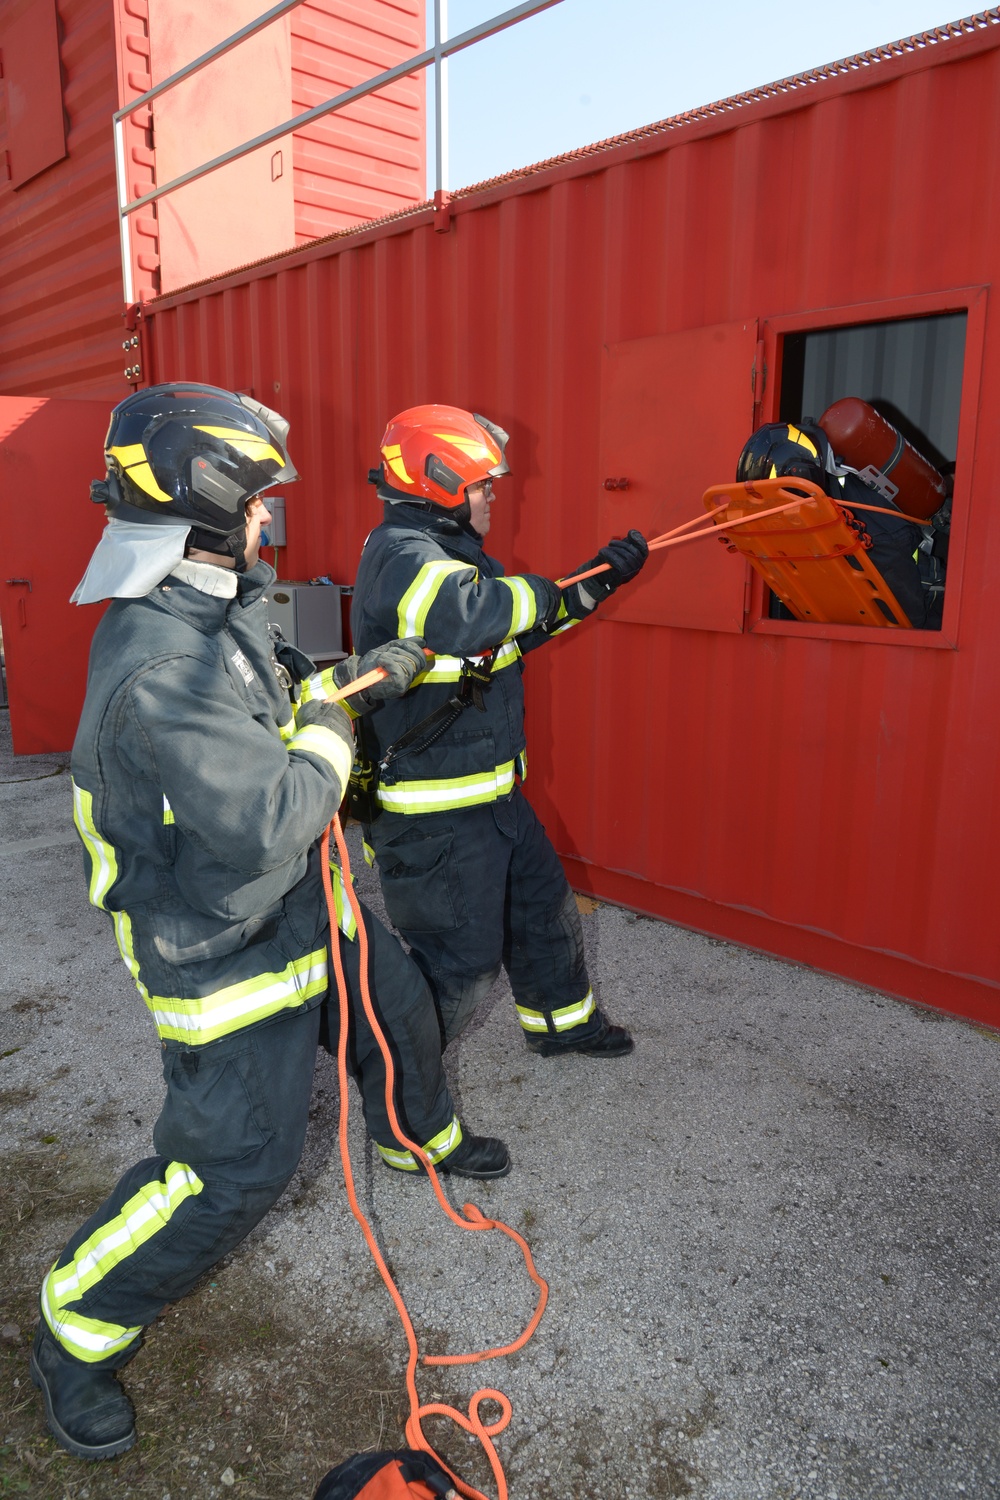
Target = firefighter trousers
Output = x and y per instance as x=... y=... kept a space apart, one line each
x=479 y=888
x=228 y=1140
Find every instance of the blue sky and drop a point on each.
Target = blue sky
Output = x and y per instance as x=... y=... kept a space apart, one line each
x=587 y=69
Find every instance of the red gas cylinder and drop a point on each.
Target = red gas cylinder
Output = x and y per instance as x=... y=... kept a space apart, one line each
x=864 y=439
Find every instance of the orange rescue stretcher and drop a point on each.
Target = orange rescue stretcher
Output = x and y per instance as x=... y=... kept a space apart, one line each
x=813 y=556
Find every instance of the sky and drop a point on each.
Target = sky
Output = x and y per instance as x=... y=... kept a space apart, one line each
x=588 y=69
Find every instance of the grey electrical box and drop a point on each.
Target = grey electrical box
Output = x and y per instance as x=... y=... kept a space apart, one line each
x=308 y=615
x=276 y=530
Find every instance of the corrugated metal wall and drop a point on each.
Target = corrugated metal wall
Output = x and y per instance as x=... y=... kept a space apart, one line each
x=61 y=326
x=818 y=792
x=370 y=159
x=60 y=288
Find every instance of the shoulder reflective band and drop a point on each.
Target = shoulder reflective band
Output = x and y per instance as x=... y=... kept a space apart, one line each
x=562 y=1020
x=447 y=791
x=415 y=604
x=103 y=860
x=524 y=607
x=143 y=1215
x=206 y=1018
x=437 y=1148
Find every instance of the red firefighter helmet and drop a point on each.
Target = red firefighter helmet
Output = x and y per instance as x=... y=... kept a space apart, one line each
x=434 y=452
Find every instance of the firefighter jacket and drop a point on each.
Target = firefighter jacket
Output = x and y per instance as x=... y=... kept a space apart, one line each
x=423 y=574
x=199 y=803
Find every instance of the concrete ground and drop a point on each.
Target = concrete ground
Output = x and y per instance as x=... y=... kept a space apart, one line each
x=770 y=1234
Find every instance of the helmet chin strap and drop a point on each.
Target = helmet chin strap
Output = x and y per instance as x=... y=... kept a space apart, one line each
x=234 y=545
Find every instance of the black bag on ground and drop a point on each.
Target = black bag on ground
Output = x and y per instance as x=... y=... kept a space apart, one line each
x=402 y=1475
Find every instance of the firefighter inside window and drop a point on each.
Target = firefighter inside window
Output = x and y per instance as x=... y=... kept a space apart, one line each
x=861 y=460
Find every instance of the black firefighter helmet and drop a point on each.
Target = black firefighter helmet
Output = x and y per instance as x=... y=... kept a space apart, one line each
x=194 y=455
x=781 y=450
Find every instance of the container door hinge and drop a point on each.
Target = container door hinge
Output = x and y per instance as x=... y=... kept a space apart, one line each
x=758 y=378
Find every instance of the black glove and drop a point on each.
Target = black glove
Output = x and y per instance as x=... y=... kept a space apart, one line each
x=400 y=660
x=624 y=556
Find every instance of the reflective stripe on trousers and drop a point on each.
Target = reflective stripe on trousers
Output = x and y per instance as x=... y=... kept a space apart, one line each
x=144 y=1215
x=563 y=1019
x=437 y=1148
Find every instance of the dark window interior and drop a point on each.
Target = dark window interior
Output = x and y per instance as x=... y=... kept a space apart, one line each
x=910 y=370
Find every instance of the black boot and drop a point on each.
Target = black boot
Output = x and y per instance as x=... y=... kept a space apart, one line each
x=607 y=1040
x=477 y=1156
x=87 y=1411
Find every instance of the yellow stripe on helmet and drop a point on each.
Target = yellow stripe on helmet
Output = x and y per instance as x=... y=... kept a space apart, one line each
x=244 y=442
x=796 y=436
x=132 y=457
x=469 y=446
x=392 y=453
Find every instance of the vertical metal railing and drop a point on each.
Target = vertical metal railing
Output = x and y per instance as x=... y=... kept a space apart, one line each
x=435 y=56
x=440 y=98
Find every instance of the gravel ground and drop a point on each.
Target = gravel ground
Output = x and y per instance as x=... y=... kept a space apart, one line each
x=770 y=1234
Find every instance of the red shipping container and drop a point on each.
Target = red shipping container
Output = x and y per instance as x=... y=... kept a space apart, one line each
x=825 y=793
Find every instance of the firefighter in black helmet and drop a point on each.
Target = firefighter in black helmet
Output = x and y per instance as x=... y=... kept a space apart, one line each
x=201 y=788
x=782 y=450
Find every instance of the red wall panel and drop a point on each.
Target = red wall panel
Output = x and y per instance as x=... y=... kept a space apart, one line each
x=817 y=792
x=369 y=159
x=60 y=289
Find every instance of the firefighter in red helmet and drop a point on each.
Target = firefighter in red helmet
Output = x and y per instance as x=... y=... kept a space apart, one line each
x=469 y=875
x=201 y=787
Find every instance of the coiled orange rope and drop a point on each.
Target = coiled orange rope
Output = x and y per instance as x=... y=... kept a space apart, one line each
x=473 y=1219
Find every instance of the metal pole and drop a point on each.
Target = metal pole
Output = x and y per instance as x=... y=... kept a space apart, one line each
x=440 y=98
x=121 y=182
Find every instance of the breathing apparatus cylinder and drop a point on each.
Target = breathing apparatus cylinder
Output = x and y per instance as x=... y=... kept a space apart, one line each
x=863 y=438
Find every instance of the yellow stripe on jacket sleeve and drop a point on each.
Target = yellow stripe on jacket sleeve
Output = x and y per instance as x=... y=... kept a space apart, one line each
x=416 y=603
x=328 y=745
x=524 y=610
x=103 y=861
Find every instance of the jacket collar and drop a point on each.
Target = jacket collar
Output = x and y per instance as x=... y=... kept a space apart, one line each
x=446 y=533
x=208 y=612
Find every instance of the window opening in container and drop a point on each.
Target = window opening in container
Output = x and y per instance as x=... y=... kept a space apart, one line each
x=908 y=374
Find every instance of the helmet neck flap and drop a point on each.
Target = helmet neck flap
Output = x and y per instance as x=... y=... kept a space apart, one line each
x=182 y=461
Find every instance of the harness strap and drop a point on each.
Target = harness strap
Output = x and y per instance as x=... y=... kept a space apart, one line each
x=476 y=679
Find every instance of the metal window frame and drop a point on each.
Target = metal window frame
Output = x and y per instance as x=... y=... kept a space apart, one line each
x=973 y=301
x=435 y=56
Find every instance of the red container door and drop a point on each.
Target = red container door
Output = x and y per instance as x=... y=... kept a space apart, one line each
x=675 y=412
x=50 y=450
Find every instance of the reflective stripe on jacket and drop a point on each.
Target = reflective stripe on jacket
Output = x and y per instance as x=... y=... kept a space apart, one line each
x=199 y=804
x=422 y=574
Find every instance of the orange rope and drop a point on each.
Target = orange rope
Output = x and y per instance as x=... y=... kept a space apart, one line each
x=473 y=1220
x=882 y=511
x=674 y=539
